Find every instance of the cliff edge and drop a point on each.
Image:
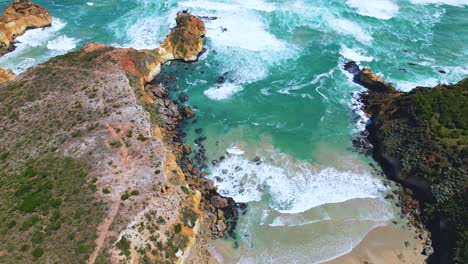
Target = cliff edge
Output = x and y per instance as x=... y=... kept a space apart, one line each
x=420 y=138
x=88 y=166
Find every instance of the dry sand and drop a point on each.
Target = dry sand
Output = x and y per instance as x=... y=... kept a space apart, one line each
x=388 y=244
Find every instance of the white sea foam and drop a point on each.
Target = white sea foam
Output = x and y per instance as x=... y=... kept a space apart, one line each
x=245 y=42
x=382 y=9
x=349 y=27
x=210 y=5
x=62 y=43
x=46 y=39
x=407 y=86
x=222 y=91
x=144 y=34
x=235 y=150
x=294 y=188
x=248 y=33
x=39 y=36
x=354 y=54
x=90 y=3
x=441 y=2
x=357 y=108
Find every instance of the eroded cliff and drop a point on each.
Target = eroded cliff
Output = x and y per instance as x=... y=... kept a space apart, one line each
x=86 y=152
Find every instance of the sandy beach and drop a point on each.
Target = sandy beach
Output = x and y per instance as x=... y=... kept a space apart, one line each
x=387 y=244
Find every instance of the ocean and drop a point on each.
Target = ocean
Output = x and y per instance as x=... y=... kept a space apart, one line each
x=283 y=99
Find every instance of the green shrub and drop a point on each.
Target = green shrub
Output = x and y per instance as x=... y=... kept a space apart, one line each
x=141 y=137
x=37 y=252
x=129 y=134
x=116 y=144
x=185 y=189
x=124 y=246
x=125 y=196
x=105 y=191
x=177 y=228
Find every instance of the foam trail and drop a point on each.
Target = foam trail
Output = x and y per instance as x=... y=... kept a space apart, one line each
x=223 y=91
x=349 y=27
x=354 y=54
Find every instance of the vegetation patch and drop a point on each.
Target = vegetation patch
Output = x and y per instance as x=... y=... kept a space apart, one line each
x=42 y=205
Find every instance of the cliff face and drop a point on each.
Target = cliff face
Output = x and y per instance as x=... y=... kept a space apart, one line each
x=17 y=18
x=91 y=174
x=420 y=138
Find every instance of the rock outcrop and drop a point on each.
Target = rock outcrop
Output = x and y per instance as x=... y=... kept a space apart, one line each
x=368 y=78
x=18 y=17
x=6 y=75
x=420 y=140
x=91 y=114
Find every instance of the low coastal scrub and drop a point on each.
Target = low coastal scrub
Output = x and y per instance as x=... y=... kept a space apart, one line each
x=426 y=130
x=47 y=211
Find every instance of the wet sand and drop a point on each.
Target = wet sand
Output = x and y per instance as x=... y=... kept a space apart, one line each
x=387 y=244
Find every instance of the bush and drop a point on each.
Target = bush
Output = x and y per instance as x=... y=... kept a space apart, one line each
x=125 y=196
x=177 y=228
x=185 y=189
x=37 y=252
x=116 y=144
x=105 y=191
x=124 y=246
x=141 y=137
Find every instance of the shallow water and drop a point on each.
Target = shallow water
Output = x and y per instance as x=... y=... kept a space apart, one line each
x=285 y=100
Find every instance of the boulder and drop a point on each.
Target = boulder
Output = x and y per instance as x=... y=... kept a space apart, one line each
x=187 y=112
x=219 y=202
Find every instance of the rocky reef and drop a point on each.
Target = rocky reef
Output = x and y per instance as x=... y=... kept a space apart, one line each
x=18 y=17
x=420 y=139
x=90 y=152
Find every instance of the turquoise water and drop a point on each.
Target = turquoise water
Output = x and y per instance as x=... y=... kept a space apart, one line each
x=285 y=100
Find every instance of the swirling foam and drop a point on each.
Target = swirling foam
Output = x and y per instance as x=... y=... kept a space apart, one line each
x=293 y=189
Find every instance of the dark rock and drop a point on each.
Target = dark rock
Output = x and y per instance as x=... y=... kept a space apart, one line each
x=183 y=97
x=187 y=112
x=198 y=130
x=220 y=80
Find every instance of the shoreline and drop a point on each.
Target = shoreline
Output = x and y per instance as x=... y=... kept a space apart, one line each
x=385 y=244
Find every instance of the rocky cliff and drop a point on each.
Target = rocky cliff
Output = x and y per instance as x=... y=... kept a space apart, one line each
x=88 y=158
x=18 y=17
x=420 y=138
